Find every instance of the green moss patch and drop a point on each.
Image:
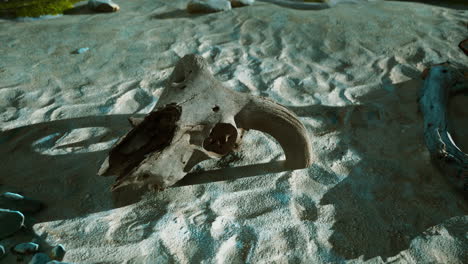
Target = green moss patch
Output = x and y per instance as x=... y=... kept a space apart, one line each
x=35 y=8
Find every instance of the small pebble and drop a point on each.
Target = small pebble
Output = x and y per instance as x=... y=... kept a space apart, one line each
x=2 y=251
x=17 y=202
x=26 y=248
x=39 y=258
x=12 y=221
x=81 y=50
x=58 y=252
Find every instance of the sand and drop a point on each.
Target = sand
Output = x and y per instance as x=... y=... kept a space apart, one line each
x=352 y=75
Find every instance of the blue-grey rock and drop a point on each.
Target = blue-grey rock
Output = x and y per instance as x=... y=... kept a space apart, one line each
x=2 y=251
x=208 y=6
x=39 y=258
x=57 y=262
x=16 y=202
x=58 y=252
x=26 y=248
x=11 y=222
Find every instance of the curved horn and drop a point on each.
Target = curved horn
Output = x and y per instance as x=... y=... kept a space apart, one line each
x=272 y=118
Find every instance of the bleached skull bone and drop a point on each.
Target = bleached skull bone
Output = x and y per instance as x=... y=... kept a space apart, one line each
x=198 y=118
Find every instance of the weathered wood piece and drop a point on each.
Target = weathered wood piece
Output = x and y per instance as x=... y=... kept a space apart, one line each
x=434 y=98
x=197 y=118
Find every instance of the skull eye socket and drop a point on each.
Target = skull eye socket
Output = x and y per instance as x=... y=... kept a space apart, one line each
x=222 y=139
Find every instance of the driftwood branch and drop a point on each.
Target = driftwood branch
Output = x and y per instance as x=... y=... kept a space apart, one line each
x=441 y=81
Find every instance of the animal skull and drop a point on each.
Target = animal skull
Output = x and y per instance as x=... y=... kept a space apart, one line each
x=197 y=118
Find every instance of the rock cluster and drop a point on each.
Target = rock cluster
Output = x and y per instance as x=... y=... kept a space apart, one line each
x=14 y=211
x=210 y=6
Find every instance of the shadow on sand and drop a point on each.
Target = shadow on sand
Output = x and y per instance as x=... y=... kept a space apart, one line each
x=178 y=13
x=67 y=182
x=394 y=193
x=61 y=181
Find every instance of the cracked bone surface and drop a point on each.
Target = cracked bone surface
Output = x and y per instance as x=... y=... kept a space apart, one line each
x=197 y=118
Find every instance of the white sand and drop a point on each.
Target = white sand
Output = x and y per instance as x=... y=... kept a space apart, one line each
x=371 y=196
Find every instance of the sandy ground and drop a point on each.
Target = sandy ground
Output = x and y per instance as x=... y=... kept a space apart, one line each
x=352 y=75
